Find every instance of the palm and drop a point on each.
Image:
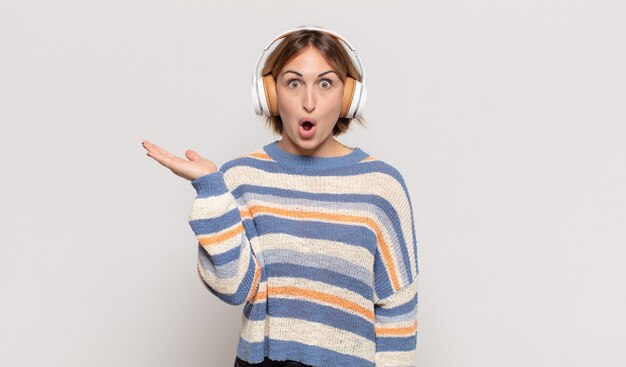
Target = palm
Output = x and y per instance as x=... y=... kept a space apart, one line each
x=196 y=166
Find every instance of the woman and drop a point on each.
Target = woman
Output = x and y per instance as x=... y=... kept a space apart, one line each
x=316 y=238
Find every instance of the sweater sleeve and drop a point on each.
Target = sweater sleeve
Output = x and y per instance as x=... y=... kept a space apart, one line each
x=395 y=274
x=226 y=261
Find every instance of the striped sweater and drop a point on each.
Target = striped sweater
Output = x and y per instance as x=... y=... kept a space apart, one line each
x=322 y=252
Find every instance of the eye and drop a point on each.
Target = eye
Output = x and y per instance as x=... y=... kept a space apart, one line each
x=293 y=83
x=326 y=83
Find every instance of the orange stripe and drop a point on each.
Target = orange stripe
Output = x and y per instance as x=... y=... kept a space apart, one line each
x=205 y=241
x=396 y=330
x=260 y=296
x=259 y=155
x=244 y=214
x=369 y=158
x=324 y=297
x=255 y=281
x=384 y=248
x=340 y=218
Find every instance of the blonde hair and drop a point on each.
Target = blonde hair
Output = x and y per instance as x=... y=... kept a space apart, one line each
x=334 y=53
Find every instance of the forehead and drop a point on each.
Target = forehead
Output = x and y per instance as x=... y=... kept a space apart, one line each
x=310 y=59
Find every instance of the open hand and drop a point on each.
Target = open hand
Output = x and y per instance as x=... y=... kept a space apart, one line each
x=190 y=169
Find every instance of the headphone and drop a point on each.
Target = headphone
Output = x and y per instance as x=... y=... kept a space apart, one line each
x=264 y=86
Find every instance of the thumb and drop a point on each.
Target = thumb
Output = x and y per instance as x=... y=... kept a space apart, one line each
x=191 y=155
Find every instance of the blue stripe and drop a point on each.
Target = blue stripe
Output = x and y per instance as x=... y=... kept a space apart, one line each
x=290 y=350
x=327 y=276
x=397 y=310
x=213 y=225
x=348 y=234
x=251 y=352
x=227 y=270
x=402 y=344
x=295 y=194
x=408 y=318
x=250 y=227
x=243 y=289
x=321 y=262
x=212 y=184
x=228 y=256
x=255 y=311
x=313 y=355
x=382 y=280
x=310 y=311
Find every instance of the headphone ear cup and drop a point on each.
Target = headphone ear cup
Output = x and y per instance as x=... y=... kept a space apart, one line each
x=269 y=87
x=349 y=85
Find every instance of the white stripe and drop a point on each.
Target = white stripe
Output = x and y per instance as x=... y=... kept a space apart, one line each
x=212 y=207
x=355 y=254
x=253 y=331
x=396 y=359
x=400 y=297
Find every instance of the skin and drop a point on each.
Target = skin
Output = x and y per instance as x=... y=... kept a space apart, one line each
x=306 y=87
x=191 y=168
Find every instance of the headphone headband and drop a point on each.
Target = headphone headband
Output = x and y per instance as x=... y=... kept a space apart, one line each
x=263 y=95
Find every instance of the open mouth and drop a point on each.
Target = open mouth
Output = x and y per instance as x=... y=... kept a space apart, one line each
x=307 y=125
x=307 y=122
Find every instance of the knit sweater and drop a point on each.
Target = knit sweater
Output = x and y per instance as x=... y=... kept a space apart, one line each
x=322 y=252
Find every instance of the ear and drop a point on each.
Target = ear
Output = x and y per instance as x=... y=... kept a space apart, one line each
x=348 y=94
x=269 y=84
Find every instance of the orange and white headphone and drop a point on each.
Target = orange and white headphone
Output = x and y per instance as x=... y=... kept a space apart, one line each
x=264 y=86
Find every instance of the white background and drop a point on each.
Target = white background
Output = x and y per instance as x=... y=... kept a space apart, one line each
x=506 y=119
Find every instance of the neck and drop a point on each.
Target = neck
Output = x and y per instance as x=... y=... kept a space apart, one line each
x=330 y=148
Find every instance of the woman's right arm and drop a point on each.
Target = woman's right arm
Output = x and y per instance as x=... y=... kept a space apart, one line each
x=226 y=261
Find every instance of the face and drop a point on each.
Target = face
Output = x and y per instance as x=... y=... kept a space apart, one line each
x=309 y=95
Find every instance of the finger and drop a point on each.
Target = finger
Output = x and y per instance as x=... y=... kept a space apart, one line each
x=147 y=145
x=157 y=157
x=157 y=149
x=191 y=155
x=166 y=160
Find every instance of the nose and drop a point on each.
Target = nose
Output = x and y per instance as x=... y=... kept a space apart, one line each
x=308 y=102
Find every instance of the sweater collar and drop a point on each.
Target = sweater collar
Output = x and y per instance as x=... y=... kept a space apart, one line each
x=313 y=163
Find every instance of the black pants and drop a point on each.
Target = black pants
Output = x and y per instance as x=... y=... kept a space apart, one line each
x=269 y=363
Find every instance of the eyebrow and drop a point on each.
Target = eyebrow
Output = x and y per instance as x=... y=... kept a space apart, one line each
x=300 y=75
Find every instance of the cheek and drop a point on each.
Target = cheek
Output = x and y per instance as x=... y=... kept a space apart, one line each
x=285 y=104
x=335 y=103
x=338 y=97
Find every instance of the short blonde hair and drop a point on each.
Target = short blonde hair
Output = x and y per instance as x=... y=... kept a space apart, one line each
x=334 y=53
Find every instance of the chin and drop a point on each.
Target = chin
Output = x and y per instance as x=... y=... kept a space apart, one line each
x=307 y=145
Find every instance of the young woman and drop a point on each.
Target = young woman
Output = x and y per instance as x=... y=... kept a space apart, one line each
x=314 y=237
